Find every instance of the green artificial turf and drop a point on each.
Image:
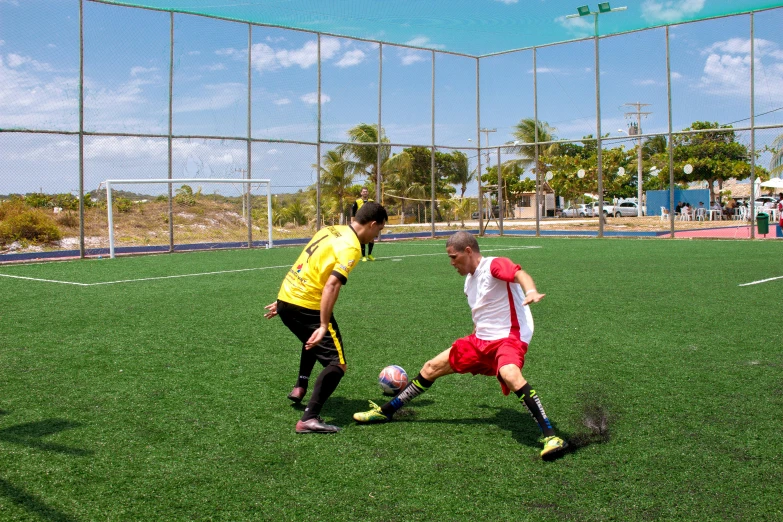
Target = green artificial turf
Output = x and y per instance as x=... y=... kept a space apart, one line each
x=162 y=398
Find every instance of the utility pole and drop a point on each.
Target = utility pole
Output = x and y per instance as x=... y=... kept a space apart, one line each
x=486 y=139
x=635 y=129
x=245 y=194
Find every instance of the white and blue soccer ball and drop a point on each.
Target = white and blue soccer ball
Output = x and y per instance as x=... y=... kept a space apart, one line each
x=392 y=379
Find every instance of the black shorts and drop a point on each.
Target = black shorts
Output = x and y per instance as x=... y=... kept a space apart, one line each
x=303 y=322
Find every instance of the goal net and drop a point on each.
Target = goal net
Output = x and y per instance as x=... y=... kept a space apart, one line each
x=187 y=214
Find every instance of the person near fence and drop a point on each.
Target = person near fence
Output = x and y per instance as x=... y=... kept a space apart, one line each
x=499 y=293
x=356 y=206
x=306 y=302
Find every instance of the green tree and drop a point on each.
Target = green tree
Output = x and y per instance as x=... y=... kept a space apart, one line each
x=525 y=134
x=715 y=156
x=337 y=176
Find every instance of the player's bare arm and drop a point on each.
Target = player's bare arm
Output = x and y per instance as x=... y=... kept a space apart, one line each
x=529 y=286
x=328 y=299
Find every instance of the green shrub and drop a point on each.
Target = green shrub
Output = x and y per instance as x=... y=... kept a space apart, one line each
x=67 y=219
x=25 y=224
x=123 y=204
x=37 y=200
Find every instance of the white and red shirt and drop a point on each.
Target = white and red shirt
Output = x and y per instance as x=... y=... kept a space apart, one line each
x=496 y=301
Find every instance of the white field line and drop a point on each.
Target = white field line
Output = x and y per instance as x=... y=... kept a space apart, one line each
x=45 y=280
x=761 y=281
x=225 y=271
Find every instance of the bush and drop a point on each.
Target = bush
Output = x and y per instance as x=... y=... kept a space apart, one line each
x=68 y=219
x=38 y=200
x=20 y=223
x=123 y=204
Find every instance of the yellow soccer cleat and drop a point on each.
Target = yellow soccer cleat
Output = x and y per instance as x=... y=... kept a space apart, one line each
x=373 y=415
x=364 y=259
x=553 y=447
x=371 y=258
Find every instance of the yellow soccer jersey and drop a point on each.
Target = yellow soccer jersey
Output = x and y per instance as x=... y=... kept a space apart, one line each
x=333 y=250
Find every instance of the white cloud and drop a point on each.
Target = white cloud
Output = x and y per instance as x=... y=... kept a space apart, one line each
x=579 y=26
x=676 y=75
x=194 y=53
x=214 y=67
x=312 y=98
x=670 y=11
x=726 y=70
x=411 y=56
x=16 y=60
x=282 y=101
x=135 y=71
x=266 y=58
x=645 y=83
x=424 y=41
x=273 y=152
x=217 y=96
x=351 y=58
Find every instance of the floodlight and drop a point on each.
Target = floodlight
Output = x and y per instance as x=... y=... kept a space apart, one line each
x=584 y=10
x=604 y=7
x=688 y=168
x=581 y=173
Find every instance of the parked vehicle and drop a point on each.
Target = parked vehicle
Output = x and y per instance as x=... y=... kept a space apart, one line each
x=608 y=209
x=628 y=209
x=576 y=211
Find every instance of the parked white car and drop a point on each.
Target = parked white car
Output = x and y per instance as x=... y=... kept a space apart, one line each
x=628 y=209
x=576 y=211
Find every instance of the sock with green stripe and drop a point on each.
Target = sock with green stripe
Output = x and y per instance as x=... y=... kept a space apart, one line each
x=414 y=388
x=529 y=398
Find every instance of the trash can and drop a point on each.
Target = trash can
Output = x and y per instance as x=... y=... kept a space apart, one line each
x=762 y=223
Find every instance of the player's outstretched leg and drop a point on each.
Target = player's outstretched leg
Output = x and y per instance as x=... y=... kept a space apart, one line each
x=553 y=445
x=385 y=413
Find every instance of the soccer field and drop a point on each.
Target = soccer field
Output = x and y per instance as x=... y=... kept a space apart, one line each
x=151 y=388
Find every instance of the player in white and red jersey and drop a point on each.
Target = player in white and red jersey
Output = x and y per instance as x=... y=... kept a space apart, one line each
x=498 y=293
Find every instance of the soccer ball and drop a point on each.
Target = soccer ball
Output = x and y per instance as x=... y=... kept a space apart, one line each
x=392 y=379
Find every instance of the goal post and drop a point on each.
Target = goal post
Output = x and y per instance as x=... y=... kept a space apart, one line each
x=179 y=181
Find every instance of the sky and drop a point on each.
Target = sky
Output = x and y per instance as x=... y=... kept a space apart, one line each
x=126 y=86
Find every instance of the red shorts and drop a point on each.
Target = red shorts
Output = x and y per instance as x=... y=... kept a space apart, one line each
x=473 y=355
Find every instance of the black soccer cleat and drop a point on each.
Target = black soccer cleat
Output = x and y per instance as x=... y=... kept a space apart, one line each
x=315 y=425
x=297 y=394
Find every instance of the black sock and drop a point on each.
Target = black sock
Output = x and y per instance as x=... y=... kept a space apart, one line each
x=369 y=251
x=325 y=385
x=414 y=388
x=529 y=398
x=306 y=363
x=362 y=250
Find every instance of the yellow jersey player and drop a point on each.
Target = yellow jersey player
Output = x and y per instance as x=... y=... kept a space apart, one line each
x=306 y=301
x=356 y=206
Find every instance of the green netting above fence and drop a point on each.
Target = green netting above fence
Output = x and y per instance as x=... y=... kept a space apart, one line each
x=470 y=27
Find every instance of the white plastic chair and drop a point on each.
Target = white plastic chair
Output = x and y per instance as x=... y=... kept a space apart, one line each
x=664 y=214
x=700 y=213
x=685 y=214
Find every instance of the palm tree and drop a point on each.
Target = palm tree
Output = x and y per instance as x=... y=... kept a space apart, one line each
x=337 y=176
x=525 y=134
x=776 y=162
x=462 y=174
x=364 y=155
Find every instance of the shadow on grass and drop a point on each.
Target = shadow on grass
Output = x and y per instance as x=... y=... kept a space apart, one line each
x=31 y=433
x=31 y=503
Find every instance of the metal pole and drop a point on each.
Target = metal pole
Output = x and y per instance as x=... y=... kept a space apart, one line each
x=317 y=152
x=478 y=151
x=269 y=212
x=111 y=219
x=81 y=129
x=378 y=191
x=171 y=130
x=598 y=131
x=752 y=128
x=249 y=133
x=671 y=145
x=501 y=207
x=535 y=141
x=432 y=151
